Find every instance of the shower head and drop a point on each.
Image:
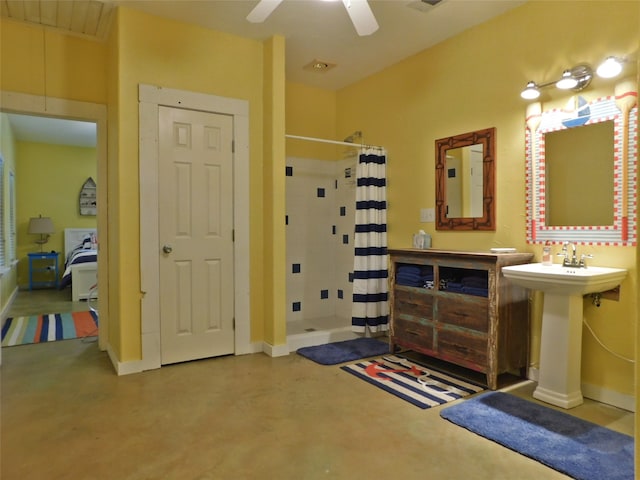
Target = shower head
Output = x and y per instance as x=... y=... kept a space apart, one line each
x=351 y=138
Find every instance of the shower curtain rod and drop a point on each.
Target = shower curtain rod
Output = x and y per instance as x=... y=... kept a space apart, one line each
x=335 y=142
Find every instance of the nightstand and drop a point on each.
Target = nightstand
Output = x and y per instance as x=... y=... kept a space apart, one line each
x=43 y=270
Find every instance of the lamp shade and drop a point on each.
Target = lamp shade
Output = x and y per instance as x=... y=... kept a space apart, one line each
x=41 y=226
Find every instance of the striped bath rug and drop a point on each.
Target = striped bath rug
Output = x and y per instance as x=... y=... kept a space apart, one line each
x=422 y=386
x=49 y=328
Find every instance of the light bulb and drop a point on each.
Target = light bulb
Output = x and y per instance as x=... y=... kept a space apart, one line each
x=609 y=68
x=567 y=81
x=531 y=92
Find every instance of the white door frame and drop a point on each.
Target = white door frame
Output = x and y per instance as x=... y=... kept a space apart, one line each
x=150 y=98
x=26 y=104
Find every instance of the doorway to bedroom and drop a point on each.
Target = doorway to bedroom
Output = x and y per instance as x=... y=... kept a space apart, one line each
x=50 y=161
x=38 y=177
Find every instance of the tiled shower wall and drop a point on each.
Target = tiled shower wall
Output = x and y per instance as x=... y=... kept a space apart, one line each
x=320 y=206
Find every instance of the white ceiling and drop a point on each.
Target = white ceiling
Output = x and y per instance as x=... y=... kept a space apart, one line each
x=54 y=131
x=313 y=29
x=322 y=30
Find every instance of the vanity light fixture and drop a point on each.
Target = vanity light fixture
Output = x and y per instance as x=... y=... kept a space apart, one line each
x=567 y=82
x=531 y=92
x=576 y=78
x=611 y=67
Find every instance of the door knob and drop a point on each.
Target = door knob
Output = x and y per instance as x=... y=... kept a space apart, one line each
x=167 y=249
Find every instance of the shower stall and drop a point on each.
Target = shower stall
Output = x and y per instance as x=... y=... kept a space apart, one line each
x=320 y=219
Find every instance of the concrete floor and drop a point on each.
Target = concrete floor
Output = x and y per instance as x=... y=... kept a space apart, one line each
x=66 y=415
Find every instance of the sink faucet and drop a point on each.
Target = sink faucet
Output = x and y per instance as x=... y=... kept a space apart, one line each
x=571 y=259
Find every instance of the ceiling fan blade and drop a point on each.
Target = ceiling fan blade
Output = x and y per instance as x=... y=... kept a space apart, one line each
x=361 y=15
x=262 y=10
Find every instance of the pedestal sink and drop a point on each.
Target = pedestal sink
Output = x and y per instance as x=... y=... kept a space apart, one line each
x=561 y=340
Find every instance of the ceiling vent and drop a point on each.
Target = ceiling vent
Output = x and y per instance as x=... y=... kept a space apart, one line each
x=424 y=5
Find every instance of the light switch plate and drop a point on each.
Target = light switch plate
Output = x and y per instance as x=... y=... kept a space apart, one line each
x=427 y=215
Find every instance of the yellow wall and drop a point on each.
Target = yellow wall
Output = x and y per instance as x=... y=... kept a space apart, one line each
x=274 y=195
x=156 y=51
x=48 y=183
x=8 y=280
x=72 y=68
x=311 y=112
x=473 y=81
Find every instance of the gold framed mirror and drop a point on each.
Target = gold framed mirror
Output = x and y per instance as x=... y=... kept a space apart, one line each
x=465 y=181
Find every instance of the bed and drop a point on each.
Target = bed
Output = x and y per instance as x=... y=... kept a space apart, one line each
x=80 y=263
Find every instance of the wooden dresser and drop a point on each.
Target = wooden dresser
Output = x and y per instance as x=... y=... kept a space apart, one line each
x=458 y=307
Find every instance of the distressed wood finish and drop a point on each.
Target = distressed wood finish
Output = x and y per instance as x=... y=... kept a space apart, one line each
x=486 y=334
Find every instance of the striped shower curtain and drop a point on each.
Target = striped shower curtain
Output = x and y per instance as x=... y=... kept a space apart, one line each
x=370 y=271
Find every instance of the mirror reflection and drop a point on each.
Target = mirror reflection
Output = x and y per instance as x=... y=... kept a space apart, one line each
x=579 y=165
x=465 y=177
x=464 y=182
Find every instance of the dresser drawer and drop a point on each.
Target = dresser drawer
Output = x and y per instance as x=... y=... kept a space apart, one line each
x=469 y=312
x=412 y=332
x=413 y=302
x=463 y=348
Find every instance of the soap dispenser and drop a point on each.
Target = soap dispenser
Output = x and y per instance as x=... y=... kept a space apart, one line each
x=547 y=259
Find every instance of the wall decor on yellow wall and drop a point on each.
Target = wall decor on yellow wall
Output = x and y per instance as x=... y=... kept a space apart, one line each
x=88 y=198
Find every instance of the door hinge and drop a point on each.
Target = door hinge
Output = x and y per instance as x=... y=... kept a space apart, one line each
x=233 y=146
x=233 y=235
x=234 y=323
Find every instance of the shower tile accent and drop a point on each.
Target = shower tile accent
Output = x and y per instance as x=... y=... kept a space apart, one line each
x=315 y=234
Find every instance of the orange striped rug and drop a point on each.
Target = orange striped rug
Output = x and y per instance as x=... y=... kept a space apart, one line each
x=49 y=328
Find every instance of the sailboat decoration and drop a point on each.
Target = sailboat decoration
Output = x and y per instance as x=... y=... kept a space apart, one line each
x=88 y=198
x=579 y=112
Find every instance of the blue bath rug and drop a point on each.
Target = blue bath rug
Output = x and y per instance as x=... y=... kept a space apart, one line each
x=575 y=447
x=347 y=351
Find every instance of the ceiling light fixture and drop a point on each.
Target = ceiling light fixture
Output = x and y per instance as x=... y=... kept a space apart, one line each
x=319 y=66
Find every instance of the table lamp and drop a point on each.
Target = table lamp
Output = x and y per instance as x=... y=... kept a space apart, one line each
x=42 y=226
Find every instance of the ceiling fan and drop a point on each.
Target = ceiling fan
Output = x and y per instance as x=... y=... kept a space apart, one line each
x=359 y=11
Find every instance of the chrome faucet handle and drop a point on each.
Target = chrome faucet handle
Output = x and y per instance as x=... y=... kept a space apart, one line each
x=583 y=257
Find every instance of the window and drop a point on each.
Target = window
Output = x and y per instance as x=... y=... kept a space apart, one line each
x=3 y=204
x=12 y=217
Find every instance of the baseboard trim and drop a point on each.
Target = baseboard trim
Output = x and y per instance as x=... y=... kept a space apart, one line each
x=124 y=368
x=610 y=397
x=597 y=393
x=7 y=306
x=275 y=350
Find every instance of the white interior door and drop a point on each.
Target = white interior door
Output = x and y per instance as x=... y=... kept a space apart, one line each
x=196 y=234
x=453 y=187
